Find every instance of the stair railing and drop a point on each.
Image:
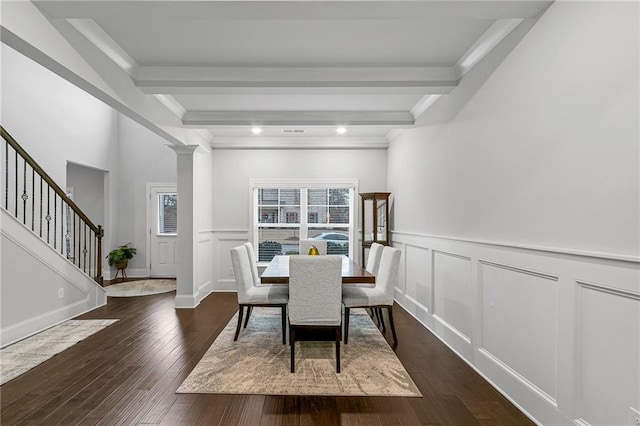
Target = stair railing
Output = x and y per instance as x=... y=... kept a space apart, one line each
x=33 y=197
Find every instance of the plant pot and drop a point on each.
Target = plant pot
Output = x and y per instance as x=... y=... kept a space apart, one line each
x=122 y=264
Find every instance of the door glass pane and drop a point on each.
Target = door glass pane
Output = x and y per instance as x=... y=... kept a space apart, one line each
x=167 y=213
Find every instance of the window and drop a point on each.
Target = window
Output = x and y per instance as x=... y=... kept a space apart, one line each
x=286 y=212
x=167 y=213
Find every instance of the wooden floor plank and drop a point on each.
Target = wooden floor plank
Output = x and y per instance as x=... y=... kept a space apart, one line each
x=128 y=374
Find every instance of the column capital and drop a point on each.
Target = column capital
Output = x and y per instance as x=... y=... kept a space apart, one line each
x=183 y=149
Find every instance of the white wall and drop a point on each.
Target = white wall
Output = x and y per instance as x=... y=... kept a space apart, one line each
x=143 y=158
x=232 y=170
x=540 y=157
x=88 y=190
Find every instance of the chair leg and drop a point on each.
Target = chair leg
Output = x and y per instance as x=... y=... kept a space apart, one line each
x=338 y=349
x=240 y=311
x=380 y=318
x=393 y=327
x=249 y=309
x=292 y=342
x=346 y=324
x=284 y=324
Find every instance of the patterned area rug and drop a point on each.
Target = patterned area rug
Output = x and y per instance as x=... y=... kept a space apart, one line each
x=140 y=288
x=258 y=363
x=22 y=356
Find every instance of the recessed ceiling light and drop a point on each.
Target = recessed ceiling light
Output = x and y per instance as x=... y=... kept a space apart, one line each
x=256 y=130
x=341 y=130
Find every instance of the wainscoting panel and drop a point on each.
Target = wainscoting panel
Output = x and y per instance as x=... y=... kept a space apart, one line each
x=608 y=354
x=224 y=241
x=418 y=279
x=520 y=316
x=556 y=331
x=205 y=265
x=452 y=291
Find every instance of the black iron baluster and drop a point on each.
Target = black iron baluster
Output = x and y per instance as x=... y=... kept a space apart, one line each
x=25 y=197
x=48 y=217
x=41 y=206
x=73 y=227
x=55 y=218
x=16 y=179
x=84 y=250
x=61 y=226
x=33 y=197
x=90 y=251
x=6 y=175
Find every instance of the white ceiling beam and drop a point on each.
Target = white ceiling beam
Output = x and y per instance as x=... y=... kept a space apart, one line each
x=300 y=143
x=485 y=44
x=299 y=80
x=306 y=118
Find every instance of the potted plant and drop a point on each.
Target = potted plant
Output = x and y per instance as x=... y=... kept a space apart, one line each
x=121 y=255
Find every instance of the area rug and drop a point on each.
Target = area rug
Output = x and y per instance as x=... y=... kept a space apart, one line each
x=258 y=363
x=140 y=288
x=22 y=356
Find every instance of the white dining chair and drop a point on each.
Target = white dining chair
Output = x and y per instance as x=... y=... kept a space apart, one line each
x=256 y=278
x=249 y=295
x=373 y=260
x=315 y=290
x=380 y=296
x=305 y=245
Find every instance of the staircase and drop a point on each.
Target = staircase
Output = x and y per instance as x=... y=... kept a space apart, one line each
x=51 y=251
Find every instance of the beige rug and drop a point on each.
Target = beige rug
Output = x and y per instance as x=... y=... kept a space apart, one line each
x=22 y=356
x=258 y=363
x=140 y=288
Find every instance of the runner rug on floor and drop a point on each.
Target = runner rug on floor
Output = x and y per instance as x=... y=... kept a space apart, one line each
x=140 y=288
x=22 y=356
x=258 y=363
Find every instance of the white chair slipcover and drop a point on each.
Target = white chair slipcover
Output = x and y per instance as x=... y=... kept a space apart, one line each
x=380 y=296
x=250 y=295
x=315 y=296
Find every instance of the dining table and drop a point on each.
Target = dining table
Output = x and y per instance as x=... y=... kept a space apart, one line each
x=277 y=272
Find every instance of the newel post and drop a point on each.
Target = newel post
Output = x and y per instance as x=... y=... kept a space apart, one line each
x=99 y=279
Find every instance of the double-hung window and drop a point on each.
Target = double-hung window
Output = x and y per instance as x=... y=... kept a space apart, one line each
x=286 y=212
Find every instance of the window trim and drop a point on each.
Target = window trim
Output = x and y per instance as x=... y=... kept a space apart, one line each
x=351 y=184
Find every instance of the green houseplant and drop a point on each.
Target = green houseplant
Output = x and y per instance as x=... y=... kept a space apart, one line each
x=120 y=256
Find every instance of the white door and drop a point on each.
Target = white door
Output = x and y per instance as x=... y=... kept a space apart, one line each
x=163 y=236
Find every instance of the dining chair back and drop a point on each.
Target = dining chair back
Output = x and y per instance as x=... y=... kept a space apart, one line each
x=380 y=296
x=315 y=296
x=305 y=245
x=373 y=260
x=252 y=262
x=250 y=295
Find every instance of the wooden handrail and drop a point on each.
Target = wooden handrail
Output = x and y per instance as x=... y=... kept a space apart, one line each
x=15 y=145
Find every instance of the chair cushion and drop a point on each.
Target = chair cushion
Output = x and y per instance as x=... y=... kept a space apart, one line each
x=353 y=297
x=265 y=294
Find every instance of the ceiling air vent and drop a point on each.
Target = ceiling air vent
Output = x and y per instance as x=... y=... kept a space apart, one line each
x=293 y=131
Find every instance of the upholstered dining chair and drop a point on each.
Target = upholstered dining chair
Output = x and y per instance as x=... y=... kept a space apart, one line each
x=380 y=296
x=315 y=290
x=256 y=278
x=305 y=245
x=250 y=295
x=373 y=260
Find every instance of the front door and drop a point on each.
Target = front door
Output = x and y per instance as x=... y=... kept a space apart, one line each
x=163 y=209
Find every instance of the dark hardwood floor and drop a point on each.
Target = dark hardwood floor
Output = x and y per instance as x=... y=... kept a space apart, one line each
x=128 y=374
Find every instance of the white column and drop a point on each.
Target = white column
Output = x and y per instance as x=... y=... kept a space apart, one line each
x=187 y=291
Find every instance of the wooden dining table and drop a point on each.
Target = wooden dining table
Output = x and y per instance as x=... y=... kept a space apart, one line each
x=277 y=272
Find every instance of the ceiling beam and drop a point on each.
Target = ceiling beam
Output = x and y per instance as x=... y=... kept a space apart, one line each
x=306 y=118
